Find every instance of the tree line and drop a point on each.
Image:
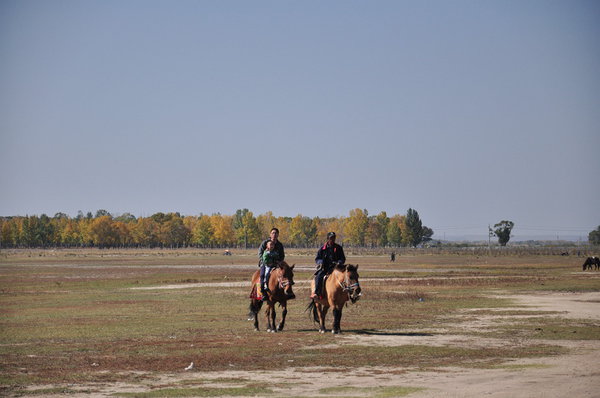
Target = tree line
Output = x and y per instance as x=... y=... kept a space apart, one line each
x=242 y=229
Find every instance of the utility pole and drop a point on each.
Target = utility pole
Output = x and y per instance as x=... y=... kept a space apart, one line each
x=490 y=234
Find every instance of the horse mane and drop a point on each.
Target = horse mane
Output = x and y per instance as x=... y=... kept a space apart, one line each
x=351 y=268
x=340 y=267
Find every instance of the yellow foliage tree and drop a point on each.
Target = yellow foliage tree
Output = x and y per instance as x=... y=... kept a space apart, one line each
x=356 y=227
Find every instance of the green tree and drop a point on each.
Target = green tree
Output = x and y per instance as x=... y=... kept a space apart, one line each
x=594 y=236
x=414 y=228
x=126 y=218
x=502 y=231
x=427 y=234
x=382 y=221
x=102 y=213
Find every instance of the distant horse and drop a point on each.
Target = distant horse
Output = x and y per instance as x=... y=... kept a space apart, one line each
x=591 y=263
x=280 y=284
x=342 y=285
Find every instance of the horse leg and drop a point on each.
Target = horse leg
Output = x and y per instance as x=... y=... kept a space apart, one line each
x=283 y=315
x=272 y=322
x=254 y=309
x=322 y=312
x=337 y=319
x=268 y=317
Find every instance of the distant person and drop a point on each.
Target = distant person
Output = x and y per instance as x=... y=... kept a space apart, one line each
x=328 y=256
x=277 y=248
x=393 y=257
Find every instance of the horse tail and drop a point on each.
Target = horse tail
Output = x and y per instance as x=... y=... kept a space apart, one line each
x=312 y=307
x=254 y=307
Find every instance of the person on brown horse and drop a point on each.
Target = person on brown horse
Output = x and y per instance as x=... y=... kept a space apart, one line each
x=328 y=257
x=280 y=284
x=276 y=254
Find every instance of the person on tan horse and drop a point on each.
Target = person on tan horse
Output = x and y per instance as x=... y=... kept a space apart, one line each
x=328 y=256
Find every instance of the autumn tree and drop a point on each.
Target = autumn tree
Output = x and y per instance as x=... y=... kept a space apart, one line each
x=394 y=230
x=332 y=224
x=104 y=232
x=70 y=234
x=246 y=227
x=124 y=233
x=377 y=230
x=145 y=232
x=303 y=231
x=223 y=229
x=9 y=233
x=203 y=232
x=265 y=222
x=356 y=226
x=172 y=231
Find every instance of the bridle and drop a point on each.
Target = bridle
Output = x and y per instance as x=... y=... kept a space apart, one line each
x=350 y=288
x=283 y=282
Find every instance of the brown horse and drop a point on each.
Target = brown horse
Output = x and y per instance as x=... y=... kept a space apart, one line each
x=280 y=284
x=341 y=285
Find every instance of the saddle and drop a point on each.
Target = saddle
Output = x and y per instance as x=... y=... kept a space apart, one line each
x=323 y=285
x=256 y=292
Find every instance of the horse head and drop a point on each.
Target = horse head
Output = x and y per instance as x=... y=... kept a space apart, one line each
x=286 y=279
x=351 y=283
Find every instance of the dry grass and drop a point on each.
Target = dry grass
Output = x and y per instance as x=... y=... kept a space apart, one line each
x=71 y=316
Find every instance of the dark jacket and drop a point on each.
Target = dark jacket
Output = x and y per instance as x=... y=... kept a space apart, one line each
x=328 y=255
x=278 y=248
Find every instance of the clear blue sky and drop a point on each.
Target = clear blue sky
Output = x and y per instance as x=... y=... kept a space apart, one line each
x=470 y=112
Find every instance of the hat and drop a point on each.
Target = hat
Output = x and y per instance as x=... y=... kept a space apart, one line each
x=330 y=235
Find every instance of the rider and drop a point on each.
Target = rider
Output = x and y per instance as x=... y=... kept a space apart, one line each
x=277 y=253
x=329 y=255
x=269 y=261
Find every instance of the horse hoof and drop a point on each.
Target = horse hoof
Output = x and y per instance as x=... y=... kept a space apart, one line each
x=335 y=331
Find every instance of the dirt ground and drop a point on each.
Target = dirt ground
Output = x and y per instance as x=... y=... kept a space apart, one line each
x=576 y=374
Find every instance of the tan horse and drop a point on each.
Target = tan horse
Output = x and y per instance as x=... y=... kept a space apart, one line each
x=280 y=284
x=341 y=285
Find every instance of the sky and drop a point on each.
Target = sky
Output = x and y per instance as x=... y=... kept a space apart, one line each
x=470 y=112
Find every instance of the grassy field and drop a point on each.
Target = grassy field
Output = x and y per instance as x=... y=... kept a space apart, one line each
x=72 y=317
